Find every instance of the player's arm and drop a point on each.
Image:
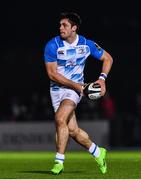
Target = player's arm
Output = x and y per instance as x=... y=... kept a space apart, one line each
x=106 y=67
x=51 y=68
x=105 y=57
x=107 y=62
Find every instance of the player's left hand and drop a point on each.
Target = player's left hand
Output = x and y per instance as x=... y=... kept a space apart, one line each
x=103 y=86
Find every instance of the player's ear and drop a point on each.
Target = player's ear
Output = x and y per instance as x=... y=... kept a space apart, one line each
x=74 y=28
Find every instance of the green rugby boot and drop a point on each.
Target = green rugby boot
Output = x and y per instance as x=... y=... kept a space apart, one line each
x=101 y=161
x=57 y=168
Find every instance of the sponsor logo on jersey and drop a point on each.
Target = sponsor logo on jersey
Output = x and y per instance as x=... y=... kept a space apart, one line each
x=61 y=52
x=97 y=46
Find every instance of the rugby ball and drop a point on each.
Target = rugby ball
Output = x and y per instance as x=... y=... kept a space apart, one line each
x=92 y=91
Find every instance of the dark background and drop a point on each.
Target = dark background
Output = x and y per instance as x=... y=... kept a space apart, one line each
x=26 y=26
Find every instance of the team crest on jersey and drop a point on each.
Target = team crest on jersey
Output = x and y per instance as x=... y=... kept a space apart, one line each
x=81 y=51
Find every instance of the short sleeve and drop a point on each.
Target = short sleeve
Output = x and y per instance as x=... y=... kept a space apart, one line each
x=50 y=54
x=95 y=49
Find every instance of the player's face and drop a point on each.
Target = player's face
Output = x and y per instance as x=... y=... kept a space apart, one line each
x=66 y=29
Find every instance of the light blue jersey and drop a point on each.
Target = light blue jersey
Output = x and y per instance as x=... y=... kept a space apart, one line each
x=71 y=58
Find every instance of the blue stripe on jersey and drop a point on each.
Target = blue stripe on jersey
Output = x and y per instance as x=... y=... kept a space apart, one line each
x=80 y=60
x=81 y=80
x=61 y=62
x=75 y=76
x=68 y=69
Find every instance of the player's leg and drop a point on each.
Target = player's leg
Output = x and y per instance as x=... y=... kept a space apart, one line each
x=80 y=135
x=62 y=133
x=83 y=139
x=61 y=118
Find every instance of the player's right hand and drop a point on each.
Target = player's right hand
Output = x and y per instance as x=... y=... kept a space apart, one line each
x=79 y=88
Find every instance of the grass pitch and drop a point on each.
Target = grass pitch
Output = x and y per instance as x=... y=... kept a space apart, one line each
x=78 y=165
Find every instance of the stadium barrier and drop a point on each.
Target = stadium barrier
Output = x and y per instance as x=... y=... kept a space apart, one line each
x=41 y=135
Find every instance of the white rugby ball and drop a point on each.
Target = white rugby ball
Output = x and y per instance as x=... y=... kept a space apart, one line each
x=92 y=91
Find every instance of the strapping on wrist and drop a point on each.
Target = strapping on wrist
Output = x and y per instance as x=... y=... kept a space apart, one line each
x=103 y=76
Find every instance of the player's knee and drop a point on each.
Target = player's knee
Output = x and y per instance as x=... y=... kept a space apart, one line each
x=60 y=120
x=73 y=131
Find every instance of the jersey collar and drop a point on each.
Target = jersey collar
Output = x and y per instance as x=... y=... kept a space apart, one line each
x=72 y=44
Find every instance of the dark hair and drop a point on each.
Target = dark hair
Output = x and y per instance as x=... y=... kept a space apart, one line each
x=73 y=18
